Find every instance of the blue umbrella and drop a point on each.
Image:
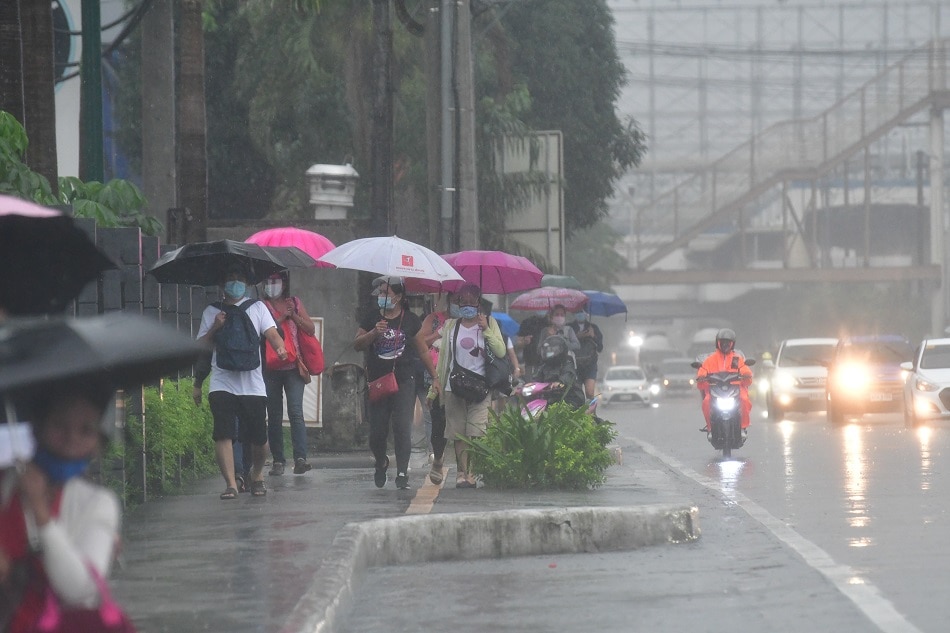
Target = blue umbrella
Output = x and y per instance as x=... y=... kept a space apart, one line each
x=604 y=303
x=509 y=327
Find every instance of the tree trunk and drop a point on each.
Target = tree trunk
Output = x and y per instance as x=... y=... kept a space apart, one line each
x=11 y=59
x=192 y=140
x=39 y=100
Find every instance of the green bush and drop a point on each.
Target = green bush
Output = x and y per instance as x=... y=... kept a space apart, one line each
x=178 y=444
x=562 y=447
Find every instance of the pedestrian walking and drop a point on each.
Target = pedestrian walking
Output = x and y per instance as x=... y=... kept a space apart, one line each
x=391 y=340
x=234 y=327
x=285 y=377
x=461 y=363
x=592 y=344
x=432 y=331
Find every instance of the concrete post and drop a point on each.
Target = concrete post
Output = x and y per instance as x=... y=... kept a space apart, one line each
x=937 y=255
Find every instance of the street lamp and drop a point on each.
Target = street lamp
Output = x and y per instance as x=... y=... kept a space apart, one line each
x=332 y=188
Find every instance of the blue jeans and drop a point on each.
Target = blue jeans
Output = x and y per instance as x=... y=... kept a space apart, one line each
x=278 y=383
x=396 y=411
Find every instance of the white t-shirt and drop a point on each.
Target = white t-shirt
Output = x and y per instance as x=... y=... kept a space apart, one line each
x=240 y=383
x=468 y=339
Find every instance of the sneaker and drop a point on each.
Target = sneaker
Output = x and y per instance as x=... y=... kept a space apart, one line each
x=276 y=469
x=301 y=466
x=435 y=473
x=402 y=481
x=379 y=477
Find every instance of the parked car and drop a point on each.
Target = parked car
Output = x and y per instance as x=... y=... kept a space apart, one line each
x=865 y=376
x=627 y=382
x=798 y=376
x=927 y=388
x=677 y=376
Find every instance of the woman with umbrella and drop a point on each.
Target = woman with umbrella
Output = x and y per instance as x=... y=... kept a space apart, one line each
x=392 y=340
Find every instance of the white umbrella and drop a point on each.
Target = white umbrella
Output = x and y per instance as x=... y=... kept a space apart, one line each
x=392 y=256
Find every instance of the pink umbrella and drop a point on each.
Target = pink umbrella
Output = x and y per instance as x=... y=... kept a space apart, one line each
x=547 y=297
x=311 y=243
x=495 y=272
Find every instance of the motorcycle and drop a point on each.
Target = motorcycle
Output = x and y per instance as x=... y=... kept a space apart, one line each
x=725 y=416
x=554 y=381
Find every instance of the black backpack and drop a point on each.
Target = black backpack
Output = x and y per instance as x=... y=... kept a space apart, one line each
x=237 y=343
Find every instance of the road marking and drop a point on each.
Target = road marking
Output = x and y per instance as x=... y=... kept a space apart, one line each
x=425 y=497
x=863 y=594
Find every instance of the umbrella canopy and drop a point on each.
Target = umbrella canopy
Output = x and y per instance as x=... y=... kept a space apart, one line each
x=604 y=303
x=46 y=259
x=313 y=244
x=547 y=297
x=126 y=350
x=290 y=256
x=509 y=327
x=561 y=281
x=495 y=272
x=204 y=263
x=392 y=256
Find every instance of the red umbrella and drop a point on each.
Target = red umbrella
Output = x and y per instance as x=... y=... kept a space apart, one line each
x=547 y=297
x=495 y=272
x=311 y=243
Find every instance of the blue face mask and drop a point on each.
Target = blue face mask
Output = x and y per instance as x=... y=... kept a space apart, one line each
x=235 y=289
x=385 y=303
x=454 y=311
x=580 y=317
x=468 y=312
x=59 y=470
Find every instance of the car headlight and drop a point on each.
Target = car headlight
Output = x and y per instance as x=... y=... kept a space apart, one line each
x=666 y=382
x=654 y=389
x=725 y=404
x=925 y=385
x=782 y=380
x=852 y=378
x=763 y=384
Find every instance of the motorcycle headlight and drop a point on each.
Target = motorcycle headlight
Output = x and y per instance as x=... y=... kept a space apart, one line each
x=853 y=378
x=527 y=391
x=924 y=385
x=725 y=404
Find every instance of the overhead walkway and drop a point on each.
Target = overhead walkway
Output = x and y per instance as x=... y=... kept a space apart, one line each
x=728 y=195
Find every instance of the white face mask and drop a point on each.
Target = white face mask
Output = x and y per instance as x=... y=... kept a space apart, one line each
x=558 y=321
x=273 y=289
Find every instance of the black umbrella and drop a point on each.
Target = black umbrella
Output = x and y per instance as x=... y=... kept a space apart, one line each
x=291 y=256
x=46 y=259
x=122 y=349
x=205 y=263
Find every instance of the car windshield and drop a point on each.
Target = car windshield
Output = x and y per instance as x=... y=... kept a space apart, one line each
x=880 y=352
x=677 y=367
x=626 y=374
x=935 y=357
x=806 y=355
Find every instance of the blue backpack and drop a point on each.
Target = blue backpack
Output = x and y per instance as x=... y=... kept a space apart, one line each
x=237 y=343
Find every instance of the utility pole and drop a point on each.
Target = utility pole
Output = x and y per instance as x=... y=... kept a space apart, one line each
x=90 y=91
x=192 y=123
x=447 y=109
x=381 y=156
x=467 y=181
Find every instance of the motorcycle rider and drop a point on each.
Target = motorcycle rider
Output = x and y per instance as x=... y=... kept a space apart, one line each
x=557 y=366
x=726 y=358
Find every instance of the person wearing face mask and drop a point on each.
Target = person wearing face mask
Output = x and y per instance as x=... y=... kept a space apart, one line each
x=392 y=340
x=238 y=394
x=592 y=344
x=432 y=327
x=464 y=340
x=284 y=377
x=557 y=324
x=57 y=528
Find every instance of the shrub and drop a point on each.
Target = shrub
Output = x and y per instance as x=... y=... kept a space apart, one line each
x=562 y=447
x=178 y=445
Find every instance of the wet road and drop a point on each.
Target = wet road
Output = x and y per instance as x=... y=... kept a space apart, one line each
x=871 y=495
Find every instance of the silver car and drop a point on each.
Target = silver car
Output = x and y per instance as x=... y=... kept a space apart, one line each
x=927 y=388
x=627 y=382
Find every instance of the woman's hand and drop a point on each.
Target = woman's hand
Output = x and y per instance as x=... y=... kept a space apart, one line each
x=482 y=321
x=34 y=488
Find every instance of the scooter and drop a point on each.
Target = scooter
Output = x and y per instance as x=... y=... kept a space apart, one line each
x=539 y=394
x=725 y=416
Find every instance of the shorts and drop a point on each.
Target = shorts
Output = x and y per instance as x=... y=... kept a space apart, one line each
x=250 y=412
x=469 y=419
x=587 y=372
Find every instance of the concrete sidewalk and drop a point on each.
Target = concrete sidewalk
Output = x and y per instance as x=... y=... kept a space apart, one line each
x=328 y=551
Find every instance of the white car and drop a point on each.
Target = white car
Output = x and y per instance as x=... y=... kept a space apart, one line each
x=627 y=382
x=797 y=381
x=927 y=387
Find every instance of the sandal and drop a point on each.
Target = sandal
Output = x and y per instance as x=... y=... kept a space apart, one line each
x=435 y=473
x=258 y=489
x=241 y=484
x=229 y=493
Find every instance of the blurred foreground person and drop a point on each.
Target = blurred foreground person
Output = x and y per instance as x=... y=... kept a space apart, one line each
x=58 y=531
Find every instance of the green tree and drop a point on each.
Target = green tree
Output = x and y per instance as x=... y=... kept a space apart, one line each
x=565 y=52
x=115 y=203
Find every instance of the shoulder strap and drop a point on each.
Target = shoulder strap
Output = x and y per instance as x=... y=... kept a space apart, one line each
x=247 y=304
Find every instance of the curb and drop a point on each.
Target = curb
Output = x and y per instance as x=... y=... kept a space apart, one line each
x=466 y=536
